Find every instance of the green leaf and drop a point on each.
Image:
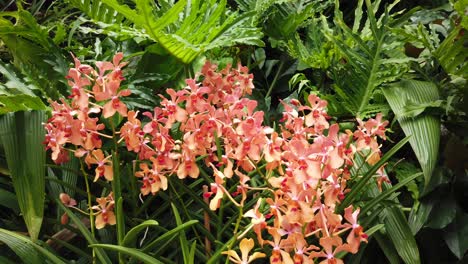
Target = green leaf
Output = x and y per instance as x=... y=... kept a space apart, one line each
x=21 y=102
x=8 y=199
x=26 y=249
x=362 y=182
x=412 y=110
x=182 y=237
x=101 y=254
x=14 y=83
x=384 y=195
x=398 y=238
x=117 y=189
x=171 y=233
x=22 y=134
x=388 y=248
x=69 y=174
x=189 y=28
x=131 y=236
x=424 y=128
x=369 y=57
x=456 y=235
x=129 y=251
x=419 y=214
x=400 y=233
x=97 y=11
x=443 y=212
x=452 y=54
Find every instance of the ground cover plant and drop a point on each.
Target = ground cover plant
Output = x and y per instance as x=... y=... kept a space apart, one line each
x=233 y=131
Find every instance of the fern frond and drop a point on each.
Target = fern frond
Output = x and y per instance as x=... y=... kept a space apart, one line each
x=367 y=64
x=189 y=28
x=452 y=54
x=34 y=53
x=97 y=11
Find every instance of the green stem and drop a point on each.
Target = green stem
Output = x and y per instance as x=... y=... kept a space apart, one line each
x=116 y=188
x=236 y=228
x=273 y=83
x=90 y=205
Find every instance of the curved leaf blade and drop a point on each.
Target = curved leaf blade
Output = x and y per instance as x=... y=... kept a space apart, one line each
x=101 y=254
x=131 y=252
x=424 y=128
x=26 y=249
x=22 y=134
x=131 y=236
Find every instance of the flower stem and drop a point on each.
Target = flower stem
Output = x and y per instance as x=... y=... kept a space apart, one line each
x=90 y=204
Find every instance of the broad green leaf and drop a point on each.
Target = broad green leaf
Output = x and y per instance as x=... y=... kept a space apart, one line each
x=22 y=134
x=419 y=214
x=69 y=174
x=400 y=233
x=388 y=248
x=129 y=251
x=424 y=129
x=20 y=102
x=27 y=250
x=101 y=254
x=442 y=212
x=8 y=199
x=456 y=235
x=413 y=110
x=131 y=236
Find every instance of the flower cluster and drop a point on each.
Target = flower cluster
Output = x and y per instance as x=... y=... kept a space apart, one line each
x=304 y=163
x=93 y=93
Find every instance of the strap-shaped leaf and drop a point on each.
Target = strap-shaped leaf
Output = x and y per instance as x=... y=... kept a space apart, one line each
x=145 y=258
x=101 y=254
x=424 y=128
x=26 y=249
x=398 y=237
x=131 y=236
x=22 y=134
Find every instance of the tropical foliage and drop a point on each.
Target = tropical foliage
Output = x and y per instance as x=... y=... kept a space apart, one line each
x=233 y=131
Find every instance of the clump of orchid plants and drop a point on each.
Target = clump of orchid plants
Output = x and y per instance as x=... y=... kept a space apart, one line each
x=304 y=162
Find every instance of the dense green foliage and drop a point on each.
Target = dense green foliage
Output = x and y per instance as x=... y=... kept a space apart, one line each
x=405 y=59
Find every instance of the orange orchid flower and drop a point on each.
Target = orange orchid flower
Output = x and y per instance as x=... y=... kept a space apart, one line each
x=104 y=167
x=246 y=245
x=105 y=214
